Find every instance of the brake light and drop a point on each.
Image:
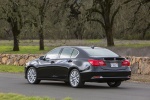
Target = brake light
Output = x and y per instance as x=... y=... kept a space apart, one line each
x=97 y=62
x=126 y=63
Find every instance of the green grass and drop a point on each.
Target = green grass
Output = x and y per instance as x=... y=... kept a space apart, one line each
x=11 y=69
x=11 y=96
x=93 y=40
x=24 y=50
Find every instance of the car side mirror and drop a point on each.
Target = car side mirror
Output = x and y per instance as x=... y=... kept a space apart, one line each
x=42 y=58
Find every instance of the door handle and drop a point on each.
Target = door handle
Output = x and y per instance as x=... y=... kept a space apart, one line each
x=69 y=60
x=52 y=62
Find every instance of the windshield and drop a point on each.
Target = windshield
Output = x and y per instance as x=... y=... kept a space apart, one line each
x=96 y=52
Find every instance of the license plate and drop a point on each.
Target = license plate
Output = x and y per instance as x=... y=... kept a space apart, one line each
x=114 y=64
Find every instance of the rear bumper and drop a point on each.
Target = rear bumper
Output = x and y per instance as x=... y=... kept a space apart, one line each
x=105 y=76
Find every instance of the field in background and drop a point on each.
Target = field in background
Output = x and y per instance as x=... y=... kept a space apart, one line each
x=123 y=47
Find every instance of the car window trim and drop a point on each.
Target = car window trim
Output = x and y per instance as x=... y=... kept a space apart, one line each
x=77 y=53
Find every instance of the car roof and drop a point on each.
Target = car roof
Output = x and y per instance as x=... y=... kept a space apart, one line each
x=82 y=47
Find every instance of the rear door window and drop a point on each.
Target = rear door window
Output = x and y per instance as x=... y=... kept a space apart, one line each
x=66 y=53
x=53 y=54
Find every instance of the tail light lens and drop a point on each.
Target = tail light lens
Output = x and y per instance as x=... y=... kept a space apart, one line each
x=126 y=63
x=97 y=62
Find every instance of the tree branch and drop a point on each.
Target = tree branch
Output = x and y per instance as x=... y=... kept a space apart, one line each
x=99 y=21
x=3 y=18
x=95 y=10
x=127 y=1
x=145 y=30
x=117 y=10
x=114 y=15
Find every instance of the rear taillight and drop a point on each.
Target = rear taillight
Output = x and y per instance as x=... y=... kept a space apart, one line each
x=126 y=63
x=97 y=62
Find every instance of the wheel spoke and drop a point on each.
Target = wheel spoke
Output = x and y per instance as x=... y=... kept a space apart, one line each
x=72 y=75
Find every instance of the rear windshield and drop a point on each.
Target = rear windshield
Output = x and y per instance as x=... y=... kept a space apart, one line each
x=96 y=52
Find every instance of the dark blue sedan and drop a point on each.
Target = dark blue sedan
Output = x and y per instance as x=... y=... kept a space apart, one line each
x=76 y=65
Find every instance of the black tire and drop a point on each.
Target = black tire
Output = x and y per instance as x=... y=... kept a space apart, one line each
x=32 y=76
x=114 y=84
x=75 y=80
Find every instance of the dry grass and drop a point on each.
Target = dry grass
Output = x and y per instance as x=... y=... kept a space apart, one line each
x=140 y=78
x=130 y=51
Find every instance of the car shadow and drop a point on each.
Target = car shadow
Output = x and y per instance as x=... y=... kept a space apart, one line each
x=54 y=84
x=86 y=86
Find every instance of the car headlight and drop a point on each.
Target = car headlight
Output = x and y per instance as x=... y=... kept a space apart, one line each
x=27 y=64
x=34 y=63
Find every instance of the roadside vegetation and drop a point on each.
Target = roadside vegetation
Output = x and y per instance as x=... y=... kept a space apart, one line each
x=23 y=50
x=11 y=96
x=11 y=69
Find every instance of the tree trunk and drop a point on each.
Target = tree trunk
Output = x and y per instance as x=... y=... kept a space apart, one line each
x=110 y=39
x=145 y=30
x=16 y=33
x=41 y=37
x=108 y=25
x=16 y=43
x=76 y=35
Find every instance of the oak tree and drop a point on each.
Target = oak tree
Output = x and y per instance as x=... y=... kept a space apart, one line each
x=101 y=12
x=13 y=12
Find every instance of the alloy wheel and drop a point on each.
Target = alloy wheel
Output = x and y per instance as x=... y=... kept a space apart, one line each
x=32 y=76
x=75 y=79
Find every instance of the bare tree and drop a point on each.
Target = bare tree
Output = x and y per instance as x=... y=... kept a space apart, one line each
x=76 y=19
x=41 y=6
x=101 y=12
x=141 y=16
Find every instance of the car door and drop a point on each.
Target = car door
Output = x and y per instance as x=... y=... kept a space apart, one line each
x=46 y=66
x=63 y=63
